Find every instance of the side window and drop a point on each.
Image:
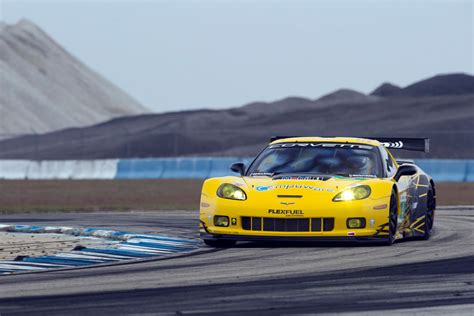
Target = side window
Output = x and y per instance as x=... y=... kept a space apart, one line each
x=388 y=163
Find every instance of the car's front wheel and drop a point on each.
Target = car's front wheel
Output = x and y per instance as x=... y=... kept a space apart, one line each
x=219 y=243
x=392 y=218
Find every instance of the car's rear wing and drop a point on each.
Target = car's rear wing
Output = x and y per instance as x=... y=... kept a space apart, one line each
x=414 y=144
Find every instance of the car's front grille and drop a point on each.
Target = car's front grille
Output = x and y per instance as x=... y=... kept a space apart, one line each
x=269 y=224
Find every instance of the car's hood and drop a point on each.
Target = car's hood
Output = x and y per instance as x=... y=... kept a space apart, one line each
x=298 y=185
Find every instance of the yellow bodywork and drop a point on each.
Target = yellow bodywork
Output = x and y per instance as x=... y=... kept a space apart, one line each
x=297 y=198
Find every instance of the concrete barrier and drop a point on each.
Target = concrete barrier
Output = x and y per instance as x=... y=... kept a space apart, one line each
x=470 y=171
x=221 y=166
x=449 y=170
x=177 y=168
x=140 y=169
x=14 y=169
x=184 y=168
x=61 y=169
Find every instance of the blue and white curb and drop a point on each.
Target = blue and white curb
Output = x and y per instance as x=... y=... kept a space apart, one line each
x=126 y=246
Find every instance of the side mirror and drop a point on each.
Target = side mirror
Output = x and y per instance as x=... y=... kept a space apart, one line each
x=238 y=167
x=405 y=170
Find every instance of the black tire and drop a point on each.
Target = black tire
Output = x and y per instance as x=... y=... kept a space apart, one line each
x=429 y=218
x=392 y=218
x=219 y=243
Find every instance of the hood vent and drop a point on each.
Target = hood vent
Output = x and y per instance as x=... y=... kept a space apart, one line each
x=290 y=196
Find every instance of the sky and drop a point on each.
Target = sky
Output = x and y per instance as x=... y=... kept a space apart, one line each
x=175 y=55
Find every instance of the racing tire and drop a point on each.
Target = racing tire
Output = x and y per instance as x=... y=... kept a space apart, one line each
x=220 y=243
x=392 y=219
x=429 y=216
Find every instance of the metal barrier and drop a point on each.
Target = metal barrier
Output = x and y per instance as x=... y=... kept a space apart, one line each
x=449 y=170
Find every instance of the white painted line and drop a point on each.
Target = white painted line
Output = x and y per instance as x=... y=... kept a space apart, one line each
x=35 y=264
x=103 y=255
x=80 y=256
x=157 y=242
x=143 y=249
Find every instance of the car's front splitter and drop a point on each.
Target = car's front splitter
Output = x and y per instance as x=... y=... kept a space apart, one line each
x=372 y=239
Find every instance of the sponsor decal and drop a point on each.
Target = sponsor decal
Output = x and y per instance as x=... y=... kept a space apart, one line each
x=398 y=144
x=287 y=203
x=314 y=145
x=302 y=178
x=265 y=188
x=285 y=212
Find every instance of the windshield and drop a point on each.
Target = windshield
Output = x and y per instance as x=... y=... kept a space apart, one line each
x=318 y=159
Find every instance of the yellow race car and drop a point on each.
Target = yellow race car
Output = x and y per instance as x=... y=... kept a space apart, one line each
x=321 y=189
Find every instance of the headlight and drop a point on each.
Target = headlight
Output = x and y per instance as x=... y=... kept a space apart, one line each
x=355 y=193
x=230 y=191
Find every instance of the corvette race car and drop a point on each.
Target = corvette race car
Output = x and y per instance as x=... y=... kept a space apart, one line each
x=321 y=189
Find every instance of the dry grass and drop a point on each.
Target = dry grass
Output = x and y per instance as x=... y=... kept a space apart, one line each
x=104 y=195
x=95 y=195
x=450 y=193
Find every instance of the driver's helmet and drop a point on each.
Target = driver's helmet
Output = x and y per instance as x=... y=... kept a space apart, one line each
x=358 y=165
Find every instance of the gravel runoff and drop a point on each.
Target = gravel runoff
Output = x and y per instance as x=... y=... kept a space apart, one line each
x=24 y=244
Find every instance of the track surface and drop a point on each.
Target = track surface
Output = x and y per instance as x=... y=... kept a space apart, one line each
x=435 y=276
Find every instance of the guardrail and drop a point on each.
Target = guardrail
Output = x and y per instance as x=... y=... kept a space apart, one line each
x=441 y=170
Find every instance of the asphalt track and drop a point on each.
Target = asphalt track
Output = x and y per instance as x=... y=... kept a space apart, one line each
x=427 y=277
